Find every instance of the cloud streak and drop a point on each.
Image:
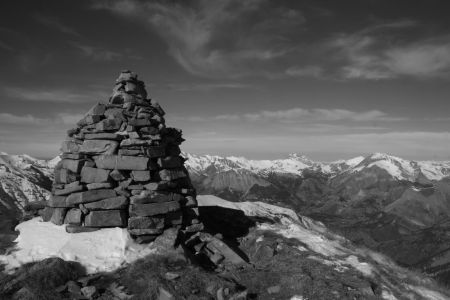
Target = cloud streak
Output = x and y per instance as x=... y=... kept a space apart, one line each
x=201 y=36
x=298 y=115
x=52 y=95
x=420 y=145
x=56 y=24
x=373 y=54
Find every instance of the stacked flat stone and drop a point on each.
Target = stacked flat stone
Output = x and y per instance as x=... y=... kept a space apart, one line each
x=121 y=167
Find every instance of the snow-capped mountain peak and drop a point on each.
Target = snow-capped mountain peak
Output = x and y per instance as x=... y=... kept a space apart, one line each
x=397 y=167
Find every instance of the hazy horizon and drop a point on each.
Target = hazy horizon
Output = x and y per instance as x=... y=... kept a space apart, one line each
x=259 y=78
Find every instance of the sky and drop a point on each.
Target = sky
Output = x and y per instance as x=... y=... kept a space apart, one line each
x=255 y=78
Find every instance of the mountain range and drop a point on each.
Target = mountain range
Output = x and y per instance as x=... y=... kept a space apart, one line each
x=395 y=206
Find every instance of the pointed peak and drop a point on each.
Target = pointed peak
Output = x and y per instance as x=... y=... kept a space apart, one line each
x=297 y=156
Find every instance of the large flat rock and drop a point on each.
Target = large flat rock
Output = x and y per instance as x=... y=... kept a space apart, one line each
x=119 y=162
x=146 y=222
x=73 y=165
x=106 y=218
x=96 y=147
x=89 y=196
x=58 y=201
x=119 y=202
x=153 y=209
x=91 y=175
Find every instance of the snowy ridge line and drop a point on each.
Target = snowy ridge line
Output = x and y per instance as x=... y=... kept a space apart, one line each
x=397 y=167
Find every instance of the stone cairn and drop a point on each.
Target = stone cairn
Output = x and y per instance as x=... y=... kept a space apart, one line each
x=121 y=167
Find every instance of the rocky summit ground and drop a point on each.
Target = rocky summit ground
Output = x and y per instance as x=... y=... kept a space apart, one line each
x=286 y=257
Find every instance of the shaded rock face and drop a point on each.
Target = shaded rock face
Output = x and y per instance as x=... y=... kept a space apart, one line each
x=121 y=167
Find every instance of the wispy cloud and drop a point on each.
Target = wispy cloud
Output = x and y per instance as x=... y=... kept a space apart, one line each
x=52 y=95
x=7 y=118
x=295 y=115
x=103 y=54
x=305 y=71
x=97 y=53
x=420 y=145
x=206 y=87
x=5 y=46
x=376 y=53
x=62 y=118
x=216 y=38
x=56 y=24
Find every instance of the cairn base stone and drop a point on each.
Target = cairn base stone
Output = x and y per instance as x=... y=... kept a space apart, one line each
x=106 y=218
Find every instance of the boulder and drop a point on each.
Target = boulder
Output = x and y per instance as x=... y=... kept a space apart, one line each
x=140 y=122
x=58 y=201
x=216 y=246
x=99 y=185
x=65 y=176
x=69 y=188
x=70 y=147
x=117 y=175
x=46 y=213
x=148 y=231
x=156 y=186
x=72 y=164
x=103 y=136
x=73 y=216
x=109 y=125
x=135 y=143
x=151 y=197
x=146 y=222
x=141 y=175
x=106 y=218
x=58 y=216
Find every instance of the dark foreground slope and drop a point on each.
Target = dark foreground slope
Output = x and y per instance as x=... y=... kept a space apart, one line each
x=288 y=257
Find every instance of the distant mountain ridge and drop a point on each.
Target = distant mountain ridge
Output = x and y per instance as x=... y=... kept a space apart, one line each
x=396 y=206
x=295 y=164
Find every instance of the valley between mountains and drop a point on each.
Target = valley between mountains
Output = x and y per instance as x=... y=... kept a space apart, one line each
x=398 y=207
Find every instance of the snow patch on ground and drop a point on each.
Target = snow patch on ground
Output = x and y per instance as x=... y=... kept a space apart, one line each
x=99 y=251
